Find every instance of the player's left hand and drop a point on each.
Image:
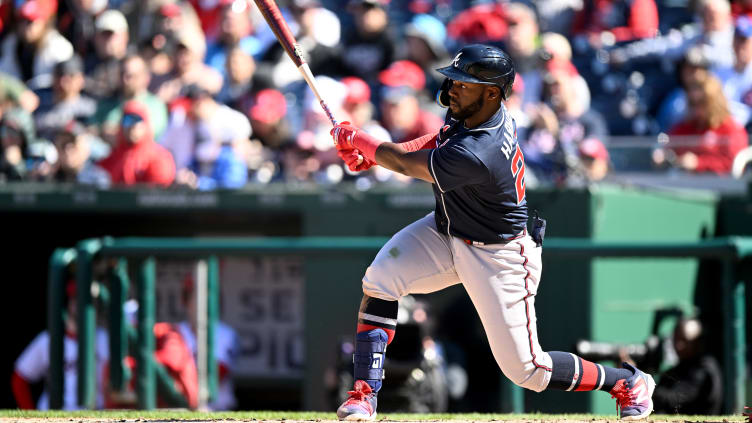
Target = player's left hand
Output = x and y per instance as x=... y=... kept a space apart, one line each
x=354 y=160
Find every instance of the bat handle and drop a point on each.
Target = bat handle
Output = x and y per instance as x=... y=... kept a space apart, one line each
x=328 y=112
x=311 y=81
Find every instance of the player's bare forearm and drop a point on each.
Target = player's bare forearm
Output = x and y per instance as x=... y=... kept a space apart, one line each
x=414 y=164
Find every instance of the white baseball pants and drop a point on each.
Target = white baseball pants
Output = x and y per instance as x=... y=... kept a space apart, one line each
x=501 y=279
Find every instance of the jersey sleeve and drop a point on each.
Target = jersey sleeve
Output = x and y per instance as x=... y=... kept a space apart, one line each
x=453 y=166
x=34 y=361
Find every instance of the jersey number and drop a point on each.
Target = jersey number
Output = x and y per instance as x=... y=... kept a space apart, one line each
x=518 y=171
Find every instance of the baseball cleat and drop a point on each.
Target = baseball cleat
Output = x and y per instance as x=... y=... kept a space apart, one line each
x=634 y=395
x=360 y=405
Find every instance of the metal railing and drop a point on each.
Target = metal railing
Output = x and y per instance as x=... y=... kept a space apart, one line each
x=729 y=251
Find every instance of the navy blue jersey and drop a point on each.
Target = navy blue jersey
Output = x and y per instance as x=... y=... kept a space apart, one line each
x=479 y=179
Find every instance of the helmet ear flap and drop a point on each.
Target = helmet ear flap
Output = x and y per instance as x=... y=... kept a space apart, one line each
x=506 y=91
x=506 y=87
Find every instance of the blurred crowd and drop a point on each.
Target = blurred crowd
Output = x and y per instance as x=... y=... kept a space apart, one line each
x=198 y=93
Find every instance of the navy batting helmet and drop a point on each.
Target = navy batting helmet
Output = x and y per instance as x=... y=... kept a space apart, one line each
x=482 y=64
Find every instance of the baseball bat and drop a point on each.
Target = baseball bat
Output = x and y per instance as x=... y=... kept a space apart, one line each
x=276 y=21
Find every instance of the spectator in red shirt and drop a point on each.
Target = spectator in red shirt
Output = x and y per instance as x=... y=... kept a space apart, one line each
x=609 y=21
x=137 y=158
x=708 y=139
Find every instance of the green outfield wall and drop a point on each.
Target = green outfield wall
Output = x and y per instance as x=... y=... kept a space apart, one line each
x=603 y=299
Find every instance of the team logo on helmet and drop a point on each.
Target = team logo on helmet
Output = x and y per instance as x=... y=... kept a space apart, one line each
x=456 y=60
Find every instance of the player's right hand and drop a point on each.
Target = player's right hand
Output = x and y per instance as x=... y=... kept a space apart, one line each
x=344 y=135
x=349 y=137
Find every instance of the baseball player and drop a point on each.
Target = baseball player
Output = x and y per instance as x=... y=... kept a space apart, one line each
x=33 y=364
x=477 y=236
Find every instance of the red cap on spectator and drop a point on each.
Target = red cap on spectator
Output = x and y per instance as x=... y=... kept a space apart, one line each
x=593 y=148
x=269 y=106
x=420 y=6
x=170 y=10
x=403 y=73
x=479 y=24
x=559 y=66
x=34 y=10
x=357 y=90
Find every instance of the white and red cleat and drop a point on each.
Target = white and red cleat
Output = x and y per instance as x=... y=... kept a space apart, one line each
x=634 y=395
x=360 y=405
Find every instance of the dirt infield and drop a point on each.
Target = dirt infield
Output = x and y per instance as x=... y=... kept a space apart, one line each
x=187 y=416
x=385 y=419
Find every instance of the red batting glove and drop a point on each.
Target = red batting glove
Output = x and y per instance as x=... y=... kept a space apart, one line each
x=347 y=137
x=354 y=161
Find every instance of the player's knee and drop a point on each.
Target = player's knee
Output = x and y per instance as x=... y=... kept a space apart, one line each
x=528 y=377
x=382 y=282
x=381 y=290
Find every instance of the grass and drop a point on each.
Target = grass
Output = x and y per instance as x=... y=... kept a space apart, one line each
x=184 y=415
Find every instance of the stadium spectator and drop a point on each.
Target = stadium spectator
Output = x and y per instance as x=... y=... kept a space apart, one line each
x=225 y=347
x=319 y=31
x=594 y=159
x=102 y=66
x=522 y=43
x=314 y=134
x=17 y=94
x=272 y=134
x=134 y=83
x=559 y=125
x=737 y=79
x=401 y=112
x=209 y=14
x=558 y=16
x=481 y=23
x=33 y=364
x=604 y=23
x=76 y=23
x=188 y=68
x=209 y=141
x=137 y=159
x=158 y=49
x=267 y=115
x=694 y=67
x=695 y=384
x=514 y=105
x=369 y=48
x=713 y=33
x=75 y=164
x=64 y=102
x=173 y=16
x=235 y=31
x=557 y=47
x=424 y=40
x=708 y=139
x=31 y=52
x=313 y=152
x=22 y=152
x=242 y=81
x=171 y=351
x=741 y=8
x=358 y=106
